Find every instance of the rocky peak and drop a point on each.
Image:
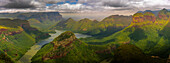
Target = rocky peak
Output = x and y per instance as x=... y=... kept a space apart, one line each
x=163 y=14
x=140 y=17
x=85 y=20
x=70 y=19
x=63 y=43
x=64 y=38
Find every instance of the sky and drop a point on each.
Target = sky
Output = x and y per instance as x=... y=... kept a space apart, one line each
x=122 y=7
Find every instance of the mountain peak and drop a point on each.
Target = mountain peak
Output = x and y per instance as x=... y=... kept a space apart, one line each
x=70 y=19
x=65 y=35
x=164 y=9
x=85 y=20
x=140 y=17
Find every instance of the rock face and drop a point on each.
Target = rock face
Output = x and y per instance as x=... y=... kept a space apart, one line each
x=147 y=16
x=19 y=36
x=138 y=17
x=66 y=48
x=64 y=41
x=163 y=14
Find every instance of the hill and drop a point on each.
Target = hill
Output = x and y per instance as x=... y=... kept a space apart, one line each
x=16 y=37
x=147 y=31
x=107 y=26
x=65 y=48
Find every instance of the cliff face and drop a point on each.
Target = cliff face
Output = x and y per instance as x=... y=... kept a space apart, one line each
x=140 y=18
x=16 y=37
x=63 y=43
x=147 y=31
x=149 y=18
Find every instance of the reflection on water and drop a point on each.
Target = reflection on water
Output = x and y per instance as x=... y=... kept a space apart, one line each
x=34 y=49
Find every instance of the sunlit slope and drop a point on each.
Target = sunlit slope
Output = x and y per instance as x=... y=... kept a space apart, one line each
x=147 y=31
x=16 y=37
x=107 y=26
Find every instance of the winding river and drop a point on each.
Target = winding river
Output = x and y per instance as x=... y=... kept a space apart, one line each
x=35 y=48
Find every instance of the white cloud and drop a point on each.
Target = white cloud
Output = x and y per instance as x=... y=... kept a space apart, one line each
x=99 y=5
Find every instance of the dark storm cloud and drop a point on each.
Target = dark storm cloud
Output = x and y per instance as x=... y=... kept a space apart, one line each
x=19 y=4
x=114 y=4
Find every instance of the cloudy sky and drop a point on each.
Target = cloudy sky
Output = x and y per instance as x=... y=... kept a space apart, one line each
x=124 y=7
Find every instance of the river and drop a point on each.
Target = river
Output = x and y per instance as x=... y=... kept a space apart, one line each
x=35 y=48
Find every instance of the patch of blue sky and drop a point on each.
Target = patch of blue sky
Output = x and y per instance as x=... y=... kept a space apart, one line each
x=67 y=1
x=49 y=4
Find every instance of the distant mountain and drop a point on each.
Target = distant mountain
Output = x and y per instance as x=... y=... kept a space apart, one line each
x=108 y=25
x=65 y=48
x=16 y=37
x=147 y=31
x=154 y=12
x=40 y=20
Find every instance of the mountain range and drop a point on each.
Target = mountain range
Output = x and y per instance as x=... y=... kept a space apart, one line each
x=108 y=25
x=141 y=38
x=39 y=20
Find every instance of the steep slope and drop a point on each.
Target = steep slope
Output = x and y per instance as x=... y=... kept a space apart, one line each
x=107 y=26
x=146 y=31
x=131 y=54
x=16 y=37
x=40 y=20
x=5 y=59
x=66 y=48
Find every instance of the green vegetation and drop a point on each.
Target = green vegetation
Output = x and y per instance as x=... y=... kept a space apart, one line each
x=131 y=54
x=106 y=27
x=151 y=36
x=16 y=37
x=40 y=20
x=66 y=48
x=5 y=59
x=145 y=40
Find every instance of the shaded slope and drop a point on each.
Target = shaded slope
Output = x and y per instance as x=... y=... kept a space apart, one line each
x=131 y=54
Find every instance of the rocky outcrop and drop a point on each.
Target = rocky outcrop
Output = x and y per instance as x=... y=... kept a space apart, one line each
x=138 y=17
x=63 y=44
x=147 y=16
x=163 y=14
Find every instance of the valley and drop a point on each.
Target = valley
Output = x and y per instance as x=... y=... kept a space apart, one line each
x=38 y=38
x=35 y=48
